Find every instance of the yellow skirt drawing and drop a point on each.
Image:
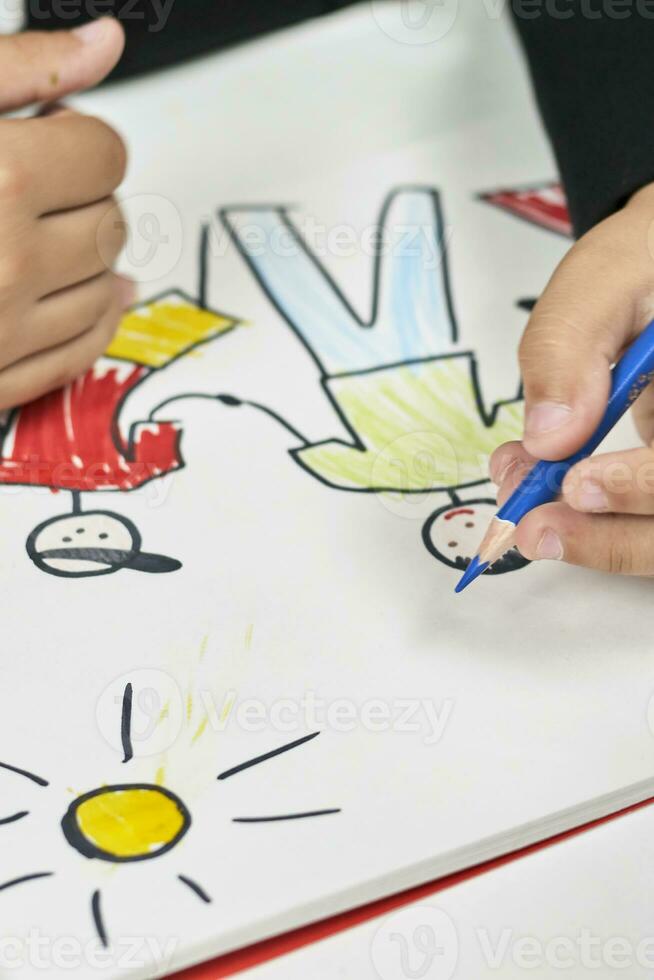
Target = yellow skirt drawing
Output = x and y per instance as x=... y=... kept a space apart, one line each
x=417 y=426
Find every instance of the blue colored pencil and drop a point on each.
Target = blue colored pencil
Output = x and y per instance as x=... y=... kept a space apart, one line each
x=632 y=373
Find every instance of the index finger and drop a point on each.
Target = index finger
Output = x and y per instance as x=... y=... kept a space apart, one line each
x=62 y=161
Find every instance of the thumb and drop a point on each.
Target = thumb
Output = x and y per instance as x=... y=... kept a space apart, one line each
x=41 y=66
x=596 y=302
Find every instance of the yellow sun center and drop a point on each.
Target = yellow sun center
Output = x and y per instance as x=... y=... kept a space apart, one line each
x=126 y=823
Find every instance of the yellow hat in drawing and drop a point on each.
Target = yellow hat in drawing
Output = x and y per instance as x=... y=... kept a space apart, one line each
x=163 y=329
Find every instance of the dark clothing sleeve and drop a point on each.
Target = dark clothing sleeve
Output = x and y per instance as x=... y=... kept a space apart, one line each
x=591 y=62
x=162 y=32
x=592 y=66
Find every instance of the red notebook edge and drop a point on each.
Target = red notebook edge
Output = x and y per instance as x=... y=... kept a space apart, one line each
x=269 y=949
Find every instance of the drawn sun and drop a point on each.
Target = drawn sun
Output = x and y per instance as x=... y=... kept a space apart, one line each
x=132 y=822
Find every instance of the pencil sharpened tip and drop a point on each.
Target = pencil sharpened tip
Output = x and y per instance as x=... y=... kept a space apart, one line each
x=473 y=571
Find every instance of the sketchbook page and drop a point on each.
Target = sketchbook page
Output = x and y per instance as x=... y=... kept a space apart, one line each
x=581 y=908
x=238 y=692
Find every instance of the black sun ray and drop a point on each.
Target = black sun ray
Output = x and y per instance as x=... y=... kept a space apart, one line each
x=126 y=723
x=287 y=816
x=13 y=818
x=98 y=921
x=195 y=888
x=19 y=881
x=268 y=755
x=23 y=772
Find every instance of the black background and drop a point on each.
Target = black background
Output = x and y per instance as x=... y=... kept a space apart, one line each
x=193 y=26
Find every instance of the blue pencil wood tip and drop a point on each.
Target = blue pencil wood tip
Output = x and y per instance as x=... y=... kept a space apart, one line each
x=473 y=571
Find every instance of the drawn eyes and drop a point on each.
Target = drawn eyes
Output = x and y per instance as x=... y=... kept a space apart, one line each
x=455 y=544
x=80 y=530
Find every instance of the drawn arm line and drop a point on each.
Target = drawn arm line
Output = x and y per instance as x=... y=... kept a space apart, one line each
x=233 y=402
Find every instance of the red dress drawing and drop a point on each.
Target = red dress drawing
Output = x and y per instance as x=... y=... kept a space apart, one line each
x=70 y=439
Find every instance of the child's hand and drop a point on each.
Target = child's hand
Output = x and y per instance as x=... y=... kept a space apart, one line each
x=600 y=296
x=59 y=300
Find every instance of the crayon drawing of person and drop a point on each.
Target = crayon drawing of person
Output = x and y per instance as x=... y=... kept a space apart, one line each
x=71 y=440
x=408 y=396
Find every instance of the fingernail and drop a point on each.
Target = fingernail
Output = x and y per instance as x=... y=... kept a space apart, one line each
x=92 y=32
x=546 y=417
x=592 y=497
x=550 y=546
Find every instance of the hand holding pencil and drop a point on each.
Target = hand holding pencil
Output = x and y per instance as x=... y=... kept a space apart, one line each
x=597 y=302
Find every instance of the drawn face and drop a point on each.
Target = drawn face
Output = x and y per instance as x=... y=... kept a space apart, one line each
x=453 y=535
x=92 y=543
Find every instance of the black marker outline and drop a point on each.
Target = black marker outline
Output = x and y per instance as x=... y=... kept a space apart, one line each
x=13 y=818
x=228 y=773
x=287 y=816
x=23 y=772
x=103 y=556
x=488 y=417
x=196 y=889
x=203 y=266
x=513 y=561
x=96 y=912
x=282 y=212
x=87 y=849
x=232 y=402
x=126 y=723
x=125 y=445
x=19 y=881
